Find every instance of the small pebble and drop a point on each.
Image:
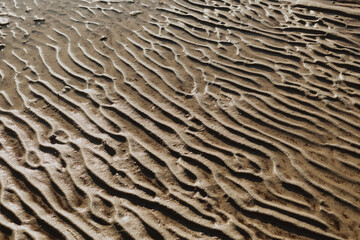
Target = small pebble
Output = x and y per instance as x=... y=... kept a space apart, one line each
x=39 y=20
x=4 y=21
x=134 y=13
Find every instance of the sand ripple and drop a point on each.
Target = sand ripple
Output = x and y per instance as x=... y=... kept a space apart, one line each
x=179 y=119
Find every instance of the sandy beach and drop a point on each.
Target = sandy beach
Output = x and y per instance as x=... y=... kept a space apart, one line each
x=180 y=119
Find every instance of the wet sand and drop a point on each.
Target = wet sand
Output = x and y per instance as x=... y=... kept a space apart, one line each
x=179 y=119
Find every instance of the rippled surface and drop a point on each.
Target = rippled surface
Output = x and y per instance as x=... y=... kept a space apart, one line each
x=181 y=119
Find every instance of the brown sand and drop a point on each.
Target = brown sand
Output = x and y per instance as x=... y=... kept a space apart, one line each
x=181 y=119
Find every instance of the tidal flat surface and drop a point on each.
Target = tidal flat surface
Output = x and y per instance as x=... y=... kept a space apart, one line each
x=179 y=119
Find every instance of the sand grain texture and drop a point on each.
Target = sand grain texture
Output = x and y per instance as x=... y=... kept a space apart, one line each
x=181 y=119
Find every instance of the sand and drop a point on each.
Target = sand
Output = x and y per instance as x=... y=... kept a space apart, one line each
x=179 y=119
